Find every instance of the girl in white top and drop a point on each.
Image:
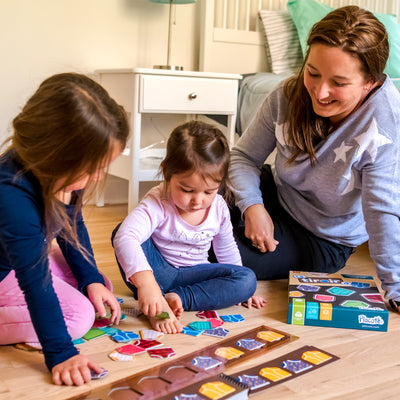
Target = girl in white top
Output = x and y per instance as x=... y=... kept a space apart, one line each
x=163 y=245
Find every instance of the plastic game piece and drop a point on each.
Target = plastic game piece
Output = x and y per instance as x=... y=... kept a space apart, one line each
x=200 y=325
x=228 y=352
x=249 y=344
x=163 y=315
x=150 y=334
x=147 y=344
x=99 y=375
x=216 y=332
x=269 y=336
x=131 y=349
x=192 y=332
x=232 y=318
x=93 y=333
x=115 y=356
x=124 y=336
x=165 y=352
x=207 y=314
x=120 y=300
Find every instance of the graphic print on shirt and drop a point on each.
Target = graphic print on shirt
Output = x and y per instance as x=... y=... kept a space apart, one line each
x=193 y=243
x=367 y=142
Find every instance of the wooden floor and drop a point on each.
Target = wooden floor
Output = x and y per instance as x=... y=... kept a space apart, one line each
x=369 y=365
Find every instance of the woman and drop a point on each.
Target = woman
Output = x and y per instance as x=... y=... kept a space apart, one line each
x=65 y=136
x=335 y=185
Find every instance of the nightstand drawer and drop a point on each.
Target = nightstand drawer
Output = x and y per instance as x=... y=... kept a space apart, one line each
x=187 y=95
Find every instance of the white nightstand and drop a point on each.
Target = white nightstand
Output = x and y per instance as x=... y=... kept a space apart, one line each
x=142 y=90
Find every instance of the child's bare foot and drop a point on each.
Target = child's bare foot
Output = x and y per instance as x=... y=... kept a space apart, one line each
x=175 y=303
x=170 y=325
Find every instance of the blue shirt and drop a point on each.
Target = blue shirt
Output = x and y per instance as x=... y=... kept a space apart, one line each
x=23 y=248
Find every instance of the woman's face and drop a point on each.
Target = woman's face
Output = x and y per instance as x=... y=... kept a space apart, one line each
x=335 y=82
x=81 y=183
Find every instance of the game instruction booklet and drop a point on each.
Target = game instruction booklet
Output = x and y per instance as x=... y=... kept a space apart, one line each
x=336 y=300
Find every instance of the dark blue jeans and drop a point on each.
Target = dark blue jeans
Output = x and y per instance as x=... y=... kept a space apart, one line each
x=201 y=287
x=298 y=249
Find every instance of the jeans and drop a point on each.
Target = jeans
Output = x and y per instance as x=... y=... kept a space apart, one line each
x=201 y=287
x=298 y=248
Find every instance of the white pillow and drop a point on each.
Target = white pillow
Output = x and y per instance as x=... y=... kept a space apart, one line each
x=282 y=44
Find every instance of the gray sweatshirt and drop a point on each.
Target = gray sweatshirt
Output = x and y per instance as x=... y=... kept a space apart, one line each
x=351 y=195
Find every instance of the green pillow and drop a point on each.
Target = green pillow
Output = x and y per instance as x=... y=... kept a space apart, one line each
x=305 y=13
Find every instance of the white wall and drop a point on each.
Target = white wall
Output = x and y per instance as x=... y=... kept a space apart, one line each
x=39 y=38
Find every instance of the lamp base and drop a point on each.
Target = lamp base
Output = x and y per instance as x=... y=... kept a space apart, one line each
x=169 y=67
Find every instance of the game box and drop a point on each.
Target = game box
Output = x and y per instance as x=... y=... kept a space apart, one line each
x=336 y=300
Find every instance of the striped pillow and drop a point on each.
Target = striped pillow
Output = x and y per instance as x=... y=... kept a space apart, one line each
x=282 y=44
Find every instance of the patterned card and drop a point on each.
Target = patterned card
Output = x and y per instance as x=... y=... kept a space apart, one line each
x=207 y=314
x=131 y=349
x=232 y=318
x=150 y=334
x=147 y=344
x=124 y=336
x=216 y=332
x=165 y=352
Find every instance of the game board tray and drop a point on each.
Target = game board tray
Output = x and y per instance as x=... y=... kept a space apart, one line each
x=194 y=367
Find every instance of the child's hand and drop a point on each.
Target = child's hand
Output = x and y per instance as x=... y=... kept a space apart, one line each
x=255 y=301
x=74 y=371
x=150 y=298
x=99 y=295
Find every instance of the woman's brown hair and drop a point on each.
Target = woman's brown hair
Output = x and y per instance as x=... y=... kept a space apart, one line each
x=67 y=130
x=198 y=147
x=357 y=32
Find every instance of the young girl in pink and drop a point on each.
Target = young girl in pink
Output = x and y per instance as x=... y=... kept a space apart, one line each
x=64 y=138
x=163 y=245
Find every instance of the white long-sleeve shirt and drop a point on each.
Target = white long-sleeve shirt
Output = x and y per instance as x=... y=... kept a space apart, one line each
x=351 y=195
x=181 y=244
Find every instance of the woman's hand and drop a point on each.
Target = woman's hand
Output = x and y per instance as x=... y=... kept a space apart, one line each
x=150 y=298
x=259 y=228
x=99 y=295
x=74 y=371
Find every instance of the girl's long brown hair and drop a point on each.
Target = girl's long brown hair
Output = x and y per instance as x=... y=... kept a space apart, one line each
x=67 y=130
x=355 y=31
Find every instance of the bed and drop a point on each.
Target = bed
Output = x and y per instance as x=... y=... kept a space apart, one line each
x=264 y=40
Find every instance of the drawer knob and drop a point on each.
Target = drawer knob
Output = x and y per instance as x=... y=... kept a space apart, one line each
x=192 y=96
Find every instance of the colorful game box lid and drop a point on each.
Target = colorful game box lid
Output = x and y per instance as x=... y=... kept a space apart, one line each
x=336 y=300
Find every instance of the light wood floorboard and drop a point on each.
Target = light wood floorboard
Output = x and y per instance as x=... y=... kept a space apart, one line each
x=368 y=368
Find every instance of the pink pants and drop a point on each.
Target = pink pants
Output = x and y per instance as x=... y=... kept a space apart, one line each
x=15 y=321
